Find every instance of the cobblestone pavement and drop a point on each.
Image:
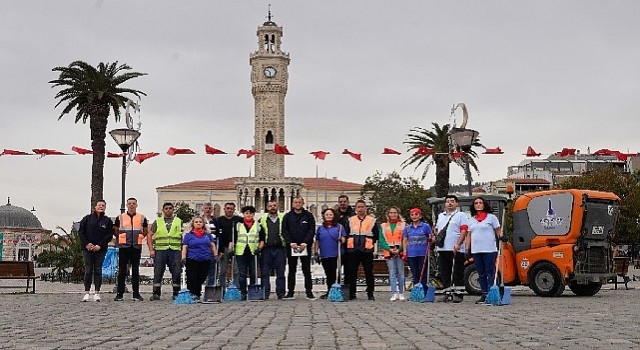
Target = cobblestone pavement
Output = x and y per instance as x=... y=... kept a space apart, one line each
x=54 y=318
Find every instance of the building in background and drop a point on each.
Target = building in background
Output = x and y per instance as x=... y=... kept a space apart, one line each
x=20 y=234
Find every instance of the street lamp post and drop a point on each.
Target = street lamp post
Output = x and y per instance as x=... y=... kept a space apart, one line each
x=124 y=138
x=464 y=138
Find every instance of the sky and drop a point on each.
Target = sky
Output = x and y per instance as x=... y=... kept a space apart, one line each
x=547 y=74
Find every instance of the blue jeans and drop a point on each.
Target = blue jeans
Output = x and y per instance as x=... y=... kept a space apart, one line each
x=485 y=264
x=396 y=274
x=273 y=258
x=415 y=264
x=164 y=258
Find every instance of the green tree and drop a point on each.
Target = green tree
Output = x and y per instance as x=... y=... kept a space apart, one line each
x=624 y=185
x=437 y=140
x=93 y=92
x=64 y=252
x=393 y=190
x=184 y=212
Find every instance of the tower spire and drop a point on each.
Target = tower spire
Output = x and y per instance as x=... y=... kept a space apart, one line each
x=269 y=13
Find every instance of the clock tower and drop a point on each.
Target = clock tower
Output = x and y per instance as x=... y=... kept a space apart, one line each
x=269 y=82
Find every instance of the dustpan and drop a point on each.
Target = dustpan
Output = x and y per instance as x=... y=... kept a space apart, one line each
x=255 y=292
x=213 y=294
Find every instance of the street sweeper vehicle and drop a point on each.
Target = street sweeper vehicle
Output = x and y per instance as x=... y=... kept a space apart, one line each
x=560 y=238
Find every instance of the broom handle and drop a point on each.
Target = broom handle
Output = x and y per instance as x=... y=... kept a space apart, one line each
x=424 y=261
x=339 y=254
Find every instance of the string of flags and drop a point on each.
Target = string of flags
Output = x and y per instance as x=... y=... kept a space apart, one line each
x=320 y=154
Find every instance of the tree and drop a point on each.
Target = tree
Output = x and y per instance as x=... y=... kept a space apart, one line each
x=624 y=185
x=393 y=190
x=93 y=92
x=184 y=212
x=67 y=253
x=437 y=140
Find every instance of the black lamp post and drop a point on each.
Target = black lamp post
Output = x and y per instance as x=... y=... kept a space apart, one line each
x=464 y=139
x=124 y=138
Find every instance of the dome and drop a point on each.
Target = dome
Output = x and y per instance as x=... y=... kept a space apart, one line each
x=12 y=216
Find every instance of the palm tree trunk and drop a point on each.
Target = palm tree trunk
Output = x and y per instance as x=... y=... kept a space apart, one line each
x=99 y=117
x=442 y=174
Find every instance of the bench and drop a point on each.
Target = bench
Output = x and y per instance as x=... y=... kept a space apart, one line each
x=18 y=270
x=380 y=273
x=622 y=270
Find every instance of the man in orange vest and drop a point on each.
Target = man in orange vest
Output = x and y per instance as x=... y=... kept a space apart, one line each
x=130 y=229
x=362 y=235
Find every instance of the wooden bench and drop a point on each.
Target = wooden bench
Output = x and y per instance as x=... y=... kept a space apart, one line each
x=380 y=273
x=622 y=270
x=18 y=270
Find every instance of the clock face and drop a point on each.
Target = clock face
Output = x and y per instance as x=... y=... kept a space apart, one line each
x=269 y=72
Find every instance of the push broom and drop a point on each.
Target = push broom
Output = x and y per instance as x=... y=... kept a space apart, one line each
x=335 y=292
x=493 y=297
x=417 y=292
x=232 y=293
x=184 y=296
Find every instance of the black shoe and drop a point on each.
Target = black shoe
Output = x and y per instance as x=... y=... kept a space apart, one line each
x=137 y=297
x=482 y=299
x=280 y=297
x=174 y=297
x=310 y=296
x=154 y=297
x=371 y=297
x=324 y=296
x=118 y=297
x=290 y=295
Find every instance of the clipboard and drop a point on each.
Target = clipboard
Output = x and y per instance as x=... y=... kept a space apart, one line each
x=295 y=252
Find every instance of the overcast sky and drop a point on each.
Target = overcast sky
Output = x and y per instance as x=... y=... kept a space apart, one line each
x=549 y=74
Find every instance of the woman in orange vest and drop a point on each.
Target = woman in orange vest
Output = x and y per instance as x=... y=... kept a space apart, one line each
x=391 y=245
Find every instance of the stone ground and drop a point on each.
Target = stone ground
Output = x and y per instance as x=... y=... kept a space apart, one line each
x=54 y=318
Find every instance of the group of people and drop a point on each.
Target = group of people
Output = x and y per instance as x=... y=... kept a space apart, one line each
x=347 y=238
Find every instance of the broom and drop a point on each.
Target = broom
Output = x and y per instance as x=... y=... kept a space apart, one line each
x=335 y=292
x=493 y=297
x=184 y=296
x=232 y=293
x=417 y=292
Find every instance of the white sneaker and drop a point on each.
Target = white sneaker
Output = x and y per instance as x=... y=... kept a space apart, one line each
x=96 y=297
x=401 y=297
x=394 y=297
x=85 y=298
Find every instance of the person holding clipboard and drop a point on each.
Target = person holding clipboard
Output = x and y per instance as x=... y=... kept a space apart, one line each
x=298 y=228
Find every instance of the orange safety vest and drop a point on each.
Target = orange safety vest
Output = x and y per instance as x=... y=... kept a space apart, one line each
x=392 y=238
x=130 y=232
x=360 y=234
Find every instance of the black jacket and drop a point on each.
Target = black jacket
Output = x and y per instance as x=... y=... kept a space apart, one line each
x=298 y=227
x=227 y=227
x=343 y=217
x=96 y=230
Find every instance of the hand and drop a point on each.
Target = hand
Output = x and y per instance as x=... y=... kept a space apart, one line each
x=183 y=262
x=456 y=248
x=152 y=253
x=467 y=255
x=89 y=246
x=294 y=246
x=503 y=238
x=96 y=248
x=258 y=251
x=316 y=259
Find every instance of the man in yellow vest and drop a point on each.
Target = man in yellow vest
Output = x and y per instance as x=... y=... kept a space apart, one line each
x=130 y=229
x=362 y=235
x=274 y=254
x=249 y=238
x=165 y=246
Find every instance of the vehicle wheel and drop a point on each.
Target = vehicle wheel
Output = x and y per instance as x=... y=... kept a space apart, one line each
x=471 y=282
x=545 y=280
x=585 y=290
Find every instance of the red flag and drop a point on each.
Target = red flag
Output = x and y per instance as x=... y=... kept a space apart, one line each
x=141 y=157
x=115 y=155
x=456 y=155
x=10 y=152
x=248 y=152
x=390 y=151
x=211 y=150
x=47 y=152
x=242 y=151
x=82 y=151
x=531 y=152
x=319 y=154
x=356 y=156
x=567 y=152
x=277 y=149
x=425 y=151
x=173 y=151
x=496 y=150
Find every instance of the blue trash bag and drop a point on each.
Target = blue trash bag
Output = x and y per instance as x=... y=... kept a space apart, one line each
x=110 y=263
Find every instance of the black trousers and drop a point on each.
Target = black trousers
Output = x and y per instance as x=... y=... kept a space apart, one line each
x=305 y=261
x=93 y=268
x=330 y=266
x=445 y=261
x=197 y=272
x=128 y=256
x=354 y=259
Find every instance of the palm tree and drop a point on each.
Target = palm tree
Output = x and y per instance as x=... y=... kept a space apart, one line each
x=437 y=141
x=94 y=92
